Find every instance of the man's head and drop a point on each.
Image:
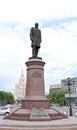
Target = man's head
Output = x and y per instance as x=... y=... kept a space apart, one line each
x=36 y=25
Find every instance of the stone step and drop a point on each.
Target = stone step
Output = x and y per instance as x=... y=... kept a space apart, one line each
x=19 y=118
x=36 y=127
x=25 y=118
x=21 y=115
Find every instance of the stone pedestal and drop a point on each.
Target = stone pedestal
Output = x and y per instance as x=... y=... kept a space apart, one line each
x=35 y=88
x=35 y=106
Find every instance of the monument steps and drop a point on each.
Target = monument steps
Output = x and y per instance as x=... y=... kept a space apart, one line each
x=58 y=115
x=19 y=118
x=28 y=117
x=39 y=127
x=15 y=116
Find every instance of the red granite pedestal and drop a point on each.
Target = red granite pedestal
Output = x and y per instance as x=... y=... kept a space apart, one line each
x=35 y=91
x=35 y=106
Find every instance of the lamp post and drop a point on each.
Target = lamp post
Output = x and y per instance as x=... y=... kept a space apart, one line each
x=69 y=82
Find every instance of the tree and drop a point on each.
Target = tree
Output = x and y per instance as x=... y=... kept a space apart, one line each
x=57 y=97
x=52 y=97
x=7 y=97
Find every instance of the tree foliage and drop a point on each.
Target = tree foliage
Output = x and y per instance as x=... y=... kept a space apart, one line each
x=7 y=97
x=57 y=97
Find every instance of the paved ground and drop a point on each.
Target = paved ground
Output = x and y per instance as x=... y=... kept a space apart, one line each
x=66 y=110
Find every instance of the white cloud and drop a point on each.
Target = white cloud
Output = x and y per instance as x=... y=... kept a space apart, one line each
x=58 y=22
x=62 y=48
x=29 y=11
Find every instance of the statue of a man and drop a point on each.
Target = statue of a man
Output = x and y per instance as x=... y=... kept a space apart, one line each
x=35 y=37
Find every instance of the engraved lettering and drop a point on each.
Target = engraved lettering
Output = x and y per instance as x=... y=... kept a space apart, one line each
x=36 y=74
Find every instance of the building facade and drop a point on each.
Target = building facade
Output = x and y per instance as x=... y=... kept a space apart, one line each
x=73 y=89
x=73 y=86
x=54 y=88
x=20 y=88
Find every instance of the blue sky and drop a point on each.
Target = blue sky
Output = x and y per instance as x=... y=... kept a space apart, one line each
x=58 y=23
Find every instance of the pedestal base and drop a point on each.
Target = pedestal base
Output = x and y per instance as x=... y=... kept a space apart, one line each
x=35 y=115
x=35 y=102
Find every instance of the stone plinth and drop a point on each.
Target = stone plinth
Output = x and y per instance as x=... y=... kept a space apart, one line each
x=35 y=90
x=35 y=106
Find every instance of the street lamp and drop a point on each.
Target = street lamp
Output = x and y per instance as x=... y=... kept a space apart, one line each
x=69 y=82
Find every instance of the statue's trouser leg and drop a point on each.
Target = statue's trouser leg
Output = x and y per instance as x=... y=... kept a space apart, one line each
x=37 y=50
x=34 y=51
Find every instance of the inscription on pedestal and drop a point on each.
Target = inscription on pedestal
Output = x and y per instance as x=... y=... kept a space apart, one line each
x=36 y=74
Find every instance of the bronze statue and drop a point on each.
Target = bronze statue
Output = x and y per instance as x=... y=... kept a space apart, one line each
x=35 y=37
